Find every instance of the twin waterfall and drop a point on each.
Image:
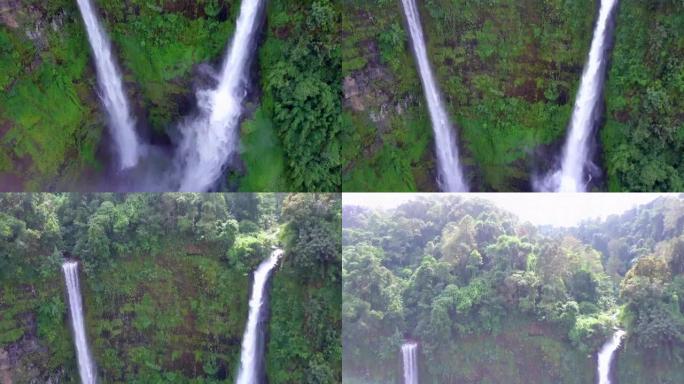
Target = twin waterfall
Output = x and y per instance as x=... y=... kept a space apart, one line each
x=409 y=355
x=606 y=356
x=86 y=367
x=253 y=341
x=121 y=123
x=210 y=138
x=450 y=173
x=571 y=176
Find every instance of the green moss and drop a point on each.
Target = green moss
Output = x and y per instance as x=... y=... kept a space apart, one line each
x=147 y=315
x=49 y=112
x=501 y=150
x=263 y=156
x=398 y=163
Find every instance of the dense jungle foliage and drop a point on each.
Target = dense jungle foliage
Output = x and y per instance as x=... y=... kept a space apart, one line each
x=166 y=281
x=52 y=129
x=643 y=138
x=509 y=71
x=490 y=299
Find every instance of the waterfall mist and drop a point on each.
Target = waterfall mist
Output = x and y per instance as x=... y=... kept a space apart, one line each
x=121 y=123
x=253 y=341
x=606 y=356
x=211 y=137
x=86 y=367
x=450 y=173
x=572 y=175
x=409 y=356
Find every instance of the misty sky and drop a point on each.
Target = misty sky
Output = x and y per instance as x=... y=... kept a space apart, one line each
x=559 y=209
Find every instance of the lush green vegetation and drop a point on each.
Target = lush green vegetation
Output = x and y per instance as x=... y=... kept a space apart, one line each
x=305 y=333
x=509 y=71
x=49 y=121
x=263 y=156
x=387 y=137
x=491 y=299
x=166 y=281
x=160 y=42
x=643 y=138
x=300 y=76
x=51 y=124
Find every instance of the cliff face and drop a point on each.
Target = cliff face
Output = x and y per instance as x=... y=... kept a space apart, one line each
x=387 y=145
x=508 y=72
x=44 y=103
x=661 y=366
x=522 y=351
x=25 y=355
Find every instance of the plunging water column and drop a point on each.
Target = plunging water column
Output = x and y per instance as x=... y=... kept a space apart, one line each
x=450 y=173
x=210 y=139
x=121 y=123
x=585 y=115
x=409 y=356
x=252 y=354
x=86 y=367
x=606 y=356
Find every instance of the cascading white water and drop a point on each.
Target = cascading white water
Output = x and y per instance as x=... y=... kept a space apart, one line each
x=606 y=355
x=210 y=138
x=450 y=173
x=409 y=355
x=121 y=123
x=251 y=356
x=86 y=367
x=571 y=176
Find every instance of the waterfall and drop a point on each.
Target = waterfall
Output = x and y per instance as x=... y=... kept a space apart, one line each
x=121 y=123
x=252 y=354
x=450 y=173
x=409 y=353
x=86 y=367
x=571 y=176
x=210 y=138
x=606 y=355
